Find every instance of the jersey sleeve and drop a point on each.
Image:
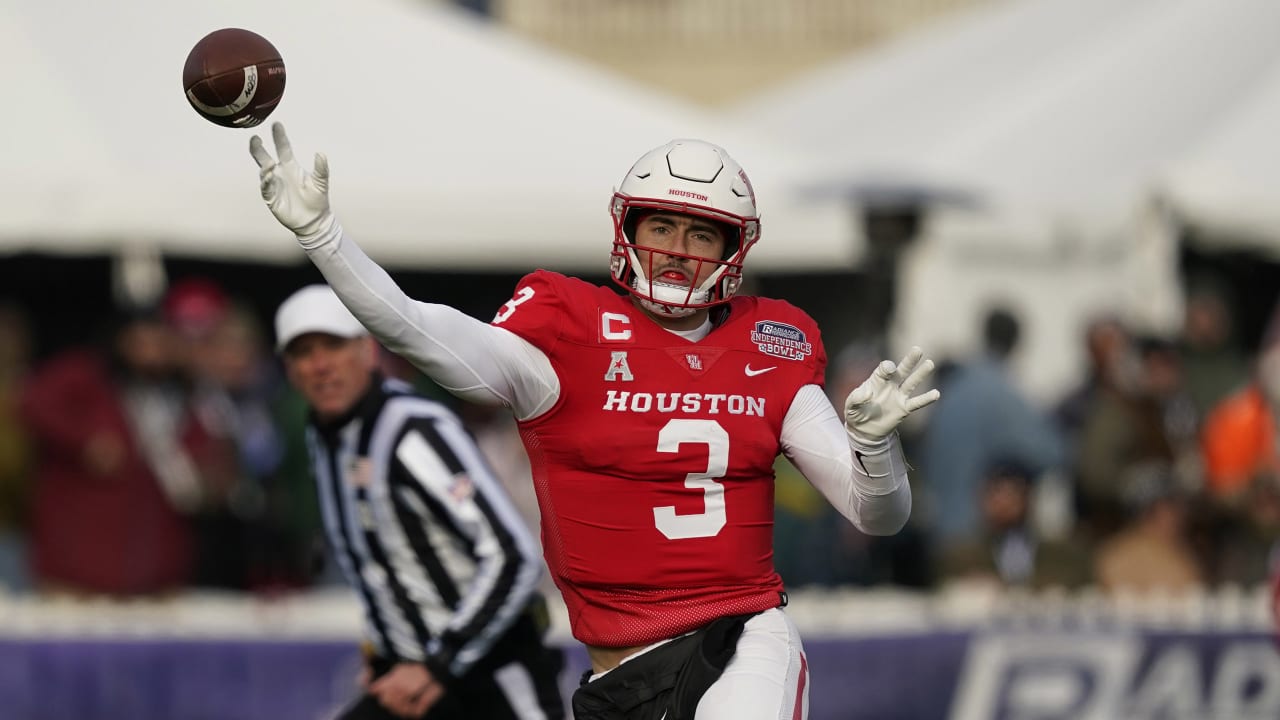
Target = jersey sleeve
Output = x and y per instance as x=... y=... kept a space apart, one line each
x=869 y=485
x=536 y=310
x=810 y=348
x=471 y=359
x=818 y=359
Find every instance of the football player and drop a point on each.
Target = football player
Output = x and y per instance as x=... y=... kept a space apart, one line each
x=652 y=419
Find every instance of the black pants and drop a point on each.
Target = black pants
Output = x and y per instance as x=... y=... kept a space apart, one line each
x=666 y=682
x=478 y=694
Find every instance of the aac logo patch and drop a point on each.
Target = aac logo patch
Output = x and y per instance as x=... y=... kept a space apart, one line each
x=781 y=340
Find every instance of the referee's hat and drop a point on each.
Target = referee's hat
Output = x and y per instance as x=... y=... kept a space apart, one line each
x=314 y=309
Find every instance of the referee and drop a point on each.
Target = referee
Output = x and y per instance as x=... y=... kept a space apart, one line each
x=446 y=571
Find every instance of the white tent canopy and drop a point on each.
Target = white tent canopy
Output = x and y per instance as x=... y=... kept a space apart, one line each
x=453 y=145
x=1051 y=121
x=1054 y=108
x=1229 y=183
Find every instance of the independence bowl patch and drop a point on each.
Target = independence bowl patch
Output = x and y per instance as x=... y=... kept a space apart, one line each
x=781 y=340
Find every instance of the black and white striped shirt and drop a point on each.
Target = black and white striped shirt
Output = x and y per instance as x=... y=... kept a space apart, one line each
x=422 y=529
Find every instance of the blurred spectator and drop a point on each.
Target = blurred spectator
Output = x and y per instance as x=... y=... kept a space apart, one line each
x=1007 y=549
x=1241 y=467
x=233 y=391
x=1249 y=550
x=15 y=348
x=1239 y=436
x=244 y=546
x=1164 y=383
x=1151 y=554
x=1140 y=416
x=1111 y=362
x=245 y=535
x=194 y=307
x=981 y=418
x=1213 y=364
x=118 y=461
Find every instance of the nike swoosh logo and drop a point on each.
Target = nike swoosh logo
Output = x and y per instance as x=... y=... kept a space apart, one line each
x=752 y=373
x=858 y=456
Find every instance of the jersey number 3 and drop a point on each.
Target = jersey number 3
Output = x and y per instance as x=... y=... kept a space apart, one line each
x=708 y=522
x=522 y=296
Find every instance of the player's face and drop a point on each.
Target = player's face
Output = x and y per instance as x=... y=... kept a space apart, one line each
x=331 y=372
x=674 y=244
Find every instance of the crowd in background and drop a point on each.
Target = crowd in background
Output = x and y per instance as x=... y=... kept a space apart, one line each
x=1159 y=472
x=161 y=454
x=168 y=453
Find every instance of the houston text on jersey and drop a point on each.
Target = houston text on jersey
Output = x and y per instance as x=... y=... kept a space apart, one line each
x=690 y=403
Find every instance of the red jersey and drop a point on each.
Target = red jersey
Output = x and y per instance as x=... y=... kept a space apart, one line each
x=654 y=469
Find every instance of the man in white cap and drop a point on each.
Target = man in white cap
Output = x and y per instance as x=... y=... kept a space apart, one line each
x=423 y=531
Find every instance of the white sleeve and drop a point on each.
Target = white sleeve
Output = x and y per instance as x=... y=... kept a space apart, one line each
x=867 y=484
x=475 y=361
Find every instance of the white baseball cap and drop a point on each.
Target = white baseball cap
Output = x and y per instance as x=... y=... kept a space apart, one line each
x=314 y=309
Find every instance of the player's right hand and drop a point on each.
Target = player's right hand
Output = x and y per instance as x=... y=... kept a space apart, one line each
x=299 y=199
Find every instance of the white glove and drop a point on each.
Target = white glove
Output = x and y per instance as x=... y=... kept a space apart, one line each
x=874 y=408
x=299 y=199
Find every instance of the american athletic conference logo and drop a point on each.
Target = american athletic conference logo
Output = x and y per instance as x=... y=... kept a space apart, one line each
x=781 y=340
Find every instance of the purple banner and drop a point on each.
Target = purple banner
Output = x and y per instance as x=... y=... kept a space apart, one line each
x=956 y=676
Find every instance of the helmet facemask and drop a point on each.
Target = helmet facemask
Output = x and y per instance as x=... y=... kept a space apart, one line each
x=686 y=169
x=642 y=276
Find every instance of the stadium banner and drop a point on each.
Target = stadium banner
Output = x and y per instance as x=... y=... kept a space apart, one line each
x=1090 y=674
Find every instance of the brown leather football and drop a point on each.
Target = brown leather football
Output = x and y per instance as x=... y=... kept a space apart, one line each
x=234 y=77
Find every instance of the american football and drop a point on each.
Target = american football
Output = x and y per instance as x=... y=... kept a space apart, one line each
x=234 y=78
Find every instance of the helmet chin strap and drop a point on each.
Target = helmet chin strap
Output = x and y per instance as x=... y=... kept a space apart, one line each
x=658 y=290
x=666 y=310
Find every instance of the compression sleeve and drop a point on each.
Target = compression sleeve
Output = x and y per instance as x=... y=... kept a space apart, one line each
x=475 y=361
x=866 y=483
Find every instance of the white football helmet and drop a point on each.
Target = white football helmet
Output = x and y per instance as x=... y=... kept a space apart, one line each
x=691 y=177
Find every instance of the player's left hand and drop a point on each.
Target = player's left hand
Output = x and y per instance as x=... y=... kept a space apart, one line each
x=876 y=407
x=408 y=690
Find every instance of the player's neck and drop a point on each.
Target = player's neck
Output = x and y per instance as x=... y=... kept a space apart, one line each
x=688 y=322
